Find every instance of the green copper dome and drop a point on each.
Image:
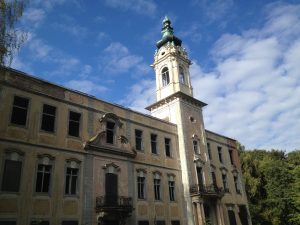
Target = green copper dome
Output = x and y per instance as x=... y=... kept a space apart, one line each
x=167 y=34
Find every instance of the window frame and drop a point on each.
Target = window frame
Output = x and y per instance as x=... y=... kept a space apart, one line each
x=220 y=154
x=157 y=187
x=172 y=188
x=44 y=160
x=181 y=75
x=165 y=76
x=12 y=155
x=72 y=164
x=54 y=121
x=168 y=148
x=196 y=147
x=79 y=124
x=27 y=111
x=139 y=139
x=209 y=151
x=110 y=131
x=154 y=144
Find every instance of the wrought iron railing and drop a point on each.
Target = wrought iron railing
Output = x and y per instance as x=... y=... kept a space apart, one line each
x=206 y=190
x=113 y=201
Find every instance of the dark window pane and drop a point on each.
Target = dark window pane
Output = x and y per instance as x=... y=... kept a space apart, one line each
x=231 y=216
x=39 y=222
x=11 y=176
x=243 y=214
x=143 y=222
x=141 y=187
x=168 y=147
x=48 y=118
x=110 y=126
x=153 y=143
x=8 y=222
x=175 y=222
x=19 y=112
x=74 y=122
x=70 y=222
x=138 y=139
x=160 y=222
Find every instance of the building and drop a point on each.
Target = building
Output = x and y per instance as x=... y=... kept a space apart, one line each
x=69 y=158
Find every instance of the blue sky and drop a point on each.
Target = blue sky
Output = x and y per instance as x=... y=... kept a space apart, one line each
x=245 y=54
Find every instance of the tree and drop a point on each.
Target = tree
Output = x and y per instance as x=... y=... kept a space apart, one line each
x=272 y=181
x=10 y=38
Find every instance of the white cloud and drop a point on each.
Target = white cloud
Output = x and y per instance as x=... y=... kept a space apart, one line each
x=117 y=59
x=253 y=90
x=33 y=17
x=144 y=7
x=86 y=86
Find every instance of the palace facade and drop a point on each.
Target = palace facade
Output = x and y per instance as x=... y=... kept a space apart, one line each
x=72 y=159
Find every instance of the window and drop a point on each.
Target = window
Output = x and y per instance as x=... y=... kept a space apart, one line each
x=195 y=146
x=168 y=147
x=19 y=111
x=165 y=76
x=200 y=177
x=181 y=75
x=71 y=182
x=236 y=184
x=224 y=180
x=74 y=124
x=143 y=222
x=70 y=222
x=243 y=214
x=11 y=176
x=172 y=188
x=39 y=222
x=48 y=118
x=231 y=216
x=110 y=132
x=8 y=222
x=157 y=194
x=43 y=177
x=175 y=222
x=220 y=154
x=154 y=143
x=141 y=185
x=138 y=139
x=214 y=179
x=209 y=151
x=231 y=156
x=160 y=222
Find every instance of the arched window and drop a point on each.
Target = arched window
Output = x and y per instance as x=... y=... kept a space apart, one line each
x=165 y=76
x=181 y=75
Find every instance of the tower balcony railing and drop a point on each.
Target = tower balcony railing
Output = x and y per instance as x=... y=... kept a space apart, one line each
x=210 y=190
x=119 y=203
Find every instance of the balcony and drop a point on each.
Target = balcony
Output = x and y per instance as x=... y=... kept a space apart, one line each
x=111 y=204
x=206 y=191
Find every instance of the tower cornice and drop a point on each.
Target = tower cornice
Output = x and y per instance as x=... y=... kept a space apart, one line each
x=177 y=95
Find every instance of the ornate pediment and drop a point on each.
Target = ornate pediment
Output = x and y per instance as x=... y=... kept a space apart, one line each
x=111 y=139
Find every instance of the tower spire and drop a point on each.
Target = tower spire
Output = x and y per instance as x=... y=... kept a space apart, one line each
x=168 y=34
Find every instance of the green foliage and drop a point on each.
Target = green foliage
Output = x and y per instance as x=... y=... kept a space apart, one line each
x=10 y=38
x=272 y=181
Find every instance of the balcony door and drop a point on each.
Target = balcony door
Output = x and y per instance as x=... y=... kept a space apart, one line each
x=111 y=189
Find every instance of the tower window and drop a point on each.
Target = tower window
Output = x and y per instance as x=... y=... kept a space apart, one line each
x=181 y=75
x=196 y=147
x=165 y=76
x=19 y=112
